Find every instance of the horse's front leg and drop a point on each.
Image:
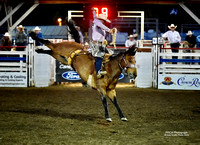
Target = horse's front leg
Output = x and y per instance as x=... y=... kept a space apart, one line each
x=112 y=95
x=105 y=105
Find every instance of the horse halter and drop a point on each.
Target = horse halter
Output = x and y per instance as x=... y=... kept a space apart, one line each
x=123 y=59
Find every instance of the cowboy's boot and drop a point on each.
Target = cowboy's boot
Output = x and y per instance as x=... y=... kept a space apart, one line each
x=101 y=72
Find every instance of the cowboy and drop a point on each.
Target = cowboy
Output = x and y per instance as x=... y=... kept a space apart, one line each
x=131 y=41
x=174 y=39
x=20 y=37
x=6 y=41
x=191 y=42
x=98 y=48
x=191 y=39
x=39 y=35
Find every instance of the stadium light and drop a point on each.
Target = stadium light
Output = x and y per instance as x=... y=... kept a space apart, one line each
x=59 y=21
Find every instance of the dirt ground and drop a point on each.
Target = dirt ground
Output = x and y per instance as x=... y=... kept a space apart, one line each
x=60 y=115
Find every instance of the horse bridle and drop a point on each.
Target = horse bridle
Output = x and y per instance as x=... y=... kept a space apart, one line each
x=123 y=58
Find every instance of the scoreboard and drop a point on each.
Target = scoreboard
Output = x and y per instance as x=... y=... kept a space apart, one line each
x=108 y=10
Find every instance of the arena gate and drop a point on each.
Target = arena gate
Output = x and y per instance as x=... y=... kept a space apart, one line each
x=182 y=73
x=17 y=67
x=14 y=67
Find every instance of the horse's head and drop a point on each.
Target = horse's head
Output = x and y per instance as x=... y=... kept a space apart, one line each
x=130 y=61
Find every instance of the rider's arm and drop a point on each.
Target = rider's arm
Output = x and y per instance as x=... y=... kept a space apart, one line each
x=101 y=25
x=94 y=14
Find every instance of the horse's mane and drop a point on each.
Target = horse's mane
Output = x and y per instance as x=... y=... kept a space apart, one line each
x=112 y=57
x=131 y=51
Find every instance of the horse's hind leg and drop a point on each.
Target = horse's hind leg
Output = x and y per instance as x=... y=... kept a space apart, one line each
x=105 y=105
x=49 y=52
x=112 y=95
x=58 y=57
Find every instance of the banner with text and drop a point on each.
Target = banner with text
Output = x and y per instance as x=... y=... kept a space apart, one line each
x=179 y=82
x=64 y=73
x=13 y=79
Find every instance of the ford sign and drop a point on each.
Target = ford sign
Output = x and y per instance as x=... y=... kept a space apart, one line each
x=121 y=76
x=71 y=75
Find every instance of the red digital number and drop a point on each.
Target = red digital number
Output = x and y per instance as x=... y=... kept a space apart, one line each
x=97 y=11
x=103 y=11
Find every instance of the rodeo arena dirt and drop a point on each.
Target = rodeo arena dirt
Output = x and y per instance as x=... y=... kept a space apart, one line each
x=104 y=73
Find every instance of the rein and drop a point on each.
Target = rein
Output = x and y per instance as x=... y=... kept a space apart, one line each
x=114 y=34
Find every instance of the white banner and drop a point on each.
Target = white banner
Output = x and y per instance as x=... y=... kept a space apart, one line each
x=179 y=81
x=13 y=79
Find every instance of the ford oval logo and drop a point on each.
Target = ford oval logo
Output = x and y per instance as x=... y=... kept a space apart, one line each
x=121 y=76
x=71 y=75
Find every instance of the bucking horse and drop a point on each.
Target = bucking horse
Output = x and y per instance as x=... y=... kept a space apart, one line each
x=83 y=63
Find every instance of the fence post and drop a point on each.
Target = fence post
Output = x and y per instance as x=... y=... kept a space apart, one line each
x=30 y=64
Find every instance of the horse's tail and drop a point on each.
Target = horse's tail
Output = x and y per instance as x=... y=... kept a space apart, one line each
x=34 y=37
x=72 y=29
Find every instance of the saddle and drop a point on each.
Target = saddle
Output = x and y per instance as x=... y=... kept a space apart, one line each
x=69 y=59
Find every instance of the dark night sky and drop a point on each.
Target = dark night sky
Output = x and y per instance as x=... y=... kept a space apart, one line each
x=47 y=14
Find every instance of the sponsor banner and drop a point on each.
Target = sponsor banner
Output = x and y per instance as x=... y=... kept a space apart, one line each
x=64 y=73
x=179 y=82
x=13 y=79
x=71 y=75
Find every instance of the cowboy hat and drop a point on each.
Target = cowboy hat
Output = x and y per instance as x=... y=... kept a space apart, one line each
x=172 y=26
x=20 y=26
x=37 y=28
x=133 y=36
x=189 y=33
x=103 y=17
x=130 y=36
x=7 y=34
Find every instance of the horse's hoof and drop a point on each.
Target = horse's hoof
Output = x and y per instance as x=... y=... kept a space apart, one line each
x=124 y=119
x=37 y=48
x=109 y=119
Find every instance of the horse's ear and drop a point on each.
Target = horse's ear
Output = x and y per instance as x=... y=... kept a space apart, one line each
x=132 y=50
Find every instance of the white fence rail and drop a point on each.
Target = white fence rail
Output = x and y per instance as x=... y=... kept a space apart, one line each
x=26 y=68
x=176 y=70
x=13 y=68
